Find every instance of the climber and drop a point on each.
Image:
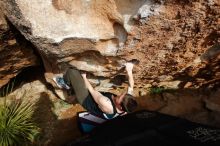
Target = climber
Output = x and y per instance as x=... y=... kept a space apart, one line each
x=103 y=104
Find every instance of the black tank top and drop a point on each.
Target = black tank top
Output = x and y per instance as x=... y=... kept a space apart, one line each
x=90 y=105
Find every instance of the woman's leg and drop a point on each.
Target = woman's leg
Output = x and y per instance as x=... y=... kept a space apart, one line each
x=73 y=78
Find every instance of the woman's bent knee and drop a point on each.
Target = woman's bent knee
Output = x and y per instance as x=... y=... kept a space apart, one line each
x=72 y=72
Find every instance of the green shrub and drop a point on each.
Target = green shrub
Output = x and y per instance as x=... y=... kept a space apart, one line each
x=16 y=123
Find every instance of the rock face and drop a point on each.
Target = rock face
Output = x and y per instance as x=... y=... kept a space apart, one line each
x=168 y=37
x=64 y=30
x=73 y=32
x=15 y=54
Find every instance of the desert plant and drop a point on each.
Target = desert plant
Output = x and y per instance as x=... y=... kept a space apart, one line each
x=16 y=123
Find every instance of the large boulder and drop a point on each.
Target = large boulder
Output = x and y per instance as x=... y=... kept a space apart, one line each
x=87 y=34
x=84 y=34
x=98 y=36
x=79 y=33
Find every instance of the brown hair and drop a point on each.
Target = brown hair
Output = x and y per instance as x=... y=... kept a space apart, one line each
x=129 y=104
